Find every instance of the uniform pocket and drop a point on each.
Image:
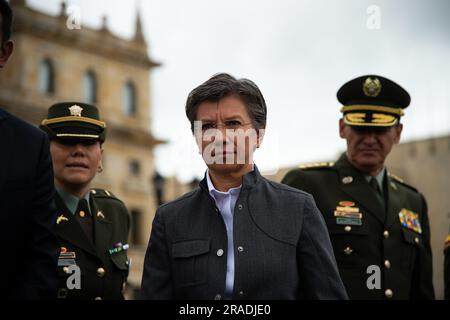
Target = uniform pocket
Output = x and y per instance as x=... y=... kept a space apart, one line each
x=349 y=243
x=190 y=262
x=120 y=260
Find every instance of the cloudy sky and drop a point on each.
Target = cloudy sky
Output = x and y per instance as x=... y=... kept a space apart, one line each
x=299 y=52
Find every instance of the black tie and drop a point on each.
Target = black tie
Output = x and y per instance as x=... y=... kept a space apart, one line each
x=84 y=218
x=375 y=186
x=379 y=194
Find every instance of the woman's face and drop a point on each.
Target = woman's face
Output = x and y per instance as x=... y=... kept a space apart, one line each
x=225 y=134
x=75 y=162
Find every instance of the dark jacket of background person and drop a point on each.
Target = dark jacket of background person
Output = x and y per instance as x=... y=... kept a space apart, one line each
x=282 y=248
x=27 y=217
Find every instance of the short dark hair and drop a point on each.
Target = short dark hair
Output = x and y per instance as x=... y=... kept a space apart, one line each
x=222 y=85
x=7 y=16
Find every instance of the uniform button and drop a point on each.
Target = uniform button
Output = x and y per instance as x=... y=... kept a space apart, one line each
x=82 y=213
x=98 y=298
x=388 y=293
x=100 y=272
x=348 y=228
x=219 y=252
x=386 y=234
x=348 y=251
x=240 y=249
x=241 y=293
x=62 y=293
x=93 y=191
x=387 y=264
x=217 y=210
x=218 y=297
x=416 y=240
x=66 y=270
x=347 y=180
x=240 y=206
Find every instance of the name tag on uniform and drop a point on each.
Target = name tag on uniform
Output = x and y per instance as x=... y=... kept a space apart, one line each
x=66 y=262
x=349 y=221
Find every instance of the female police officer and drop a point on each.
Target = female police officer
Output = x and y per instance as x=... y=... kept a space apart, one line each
x=92 y=224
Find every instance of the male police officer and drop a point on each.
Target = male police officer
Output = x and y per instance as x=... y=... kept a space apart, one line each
x=92 y=224
x=378 y=224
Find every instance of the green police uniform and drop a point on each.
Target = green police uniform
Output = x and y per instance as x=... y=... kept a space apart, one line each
x=93 y=231
x=378 y=227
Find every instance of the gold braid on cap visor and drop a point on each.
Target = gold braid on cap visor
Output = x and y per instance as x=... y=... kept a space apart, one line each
x=74 y=118
x=366 y=107
x=377 y=120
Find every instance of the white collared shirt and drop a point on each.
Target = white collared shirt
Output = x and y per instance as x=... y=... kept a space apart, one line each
x=225 y=202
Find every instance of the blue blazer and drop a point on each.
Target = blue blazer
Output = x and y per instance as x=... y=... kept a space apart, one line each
x=30 y=248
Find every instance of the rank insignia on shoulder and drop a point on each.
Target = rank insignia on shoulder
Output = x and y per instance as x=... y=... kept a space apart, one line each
x=316 y=165
x=347 y=214
x=118 y=247
x=396 y=177
x=410 y=220
x=100 y=215
x=447 y=241
x=61 y=218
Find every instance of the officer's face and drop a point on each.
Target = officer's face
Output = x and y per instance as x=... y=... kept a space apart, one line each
x=6 y=48
x=368 y=147
x=226 y=137
x=75 y=163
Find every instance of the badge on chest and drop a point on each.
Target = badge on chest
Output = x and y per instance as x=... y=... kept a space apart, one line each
x=410 y=220
x=347 y=214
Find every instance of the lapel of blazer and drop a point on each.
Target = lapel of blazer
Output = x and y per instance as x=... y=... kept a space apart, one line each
x=102 y=228
x=394 y=201
x=69 y=229
x=358 y=188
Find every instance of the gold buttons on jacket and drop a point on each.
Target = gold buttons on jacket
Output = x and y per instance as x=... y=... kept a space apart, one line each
x=101 y=272
x=388 y=293
x=387 y=264
x=82 y=213
x=416 y=240
x=219 y=252
x=348 y=251
x=66 y=270
x=386 y=234
x=348 y=228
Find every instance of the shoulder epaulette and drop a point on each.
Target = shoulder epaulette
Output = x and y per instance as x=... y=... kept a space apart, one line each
x=320 y=165
x=400 y=180
x=102 y=193
x=447 y=242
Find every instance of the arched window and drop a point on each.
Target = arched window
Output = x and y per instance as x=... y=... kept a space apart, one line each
x=129 y=99
x=90 y=87
x=46 y=79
